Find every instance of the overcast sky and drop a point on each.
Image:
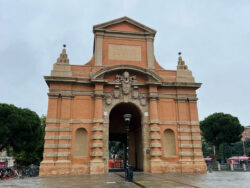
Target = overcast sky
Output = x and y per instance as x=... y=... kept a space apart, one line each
x=213 y=36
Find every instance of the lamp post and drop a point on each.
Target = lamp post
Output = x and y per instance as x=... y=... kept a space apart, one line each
x=128 y=169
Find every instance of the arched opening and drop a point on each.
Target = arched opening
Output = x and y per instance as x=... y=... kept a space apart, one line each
x=117 y=137
x=81 y=143
x=169 y=143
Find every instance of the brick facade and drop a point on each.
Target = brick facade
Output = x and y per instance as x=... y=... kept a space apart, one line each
x=86 y=102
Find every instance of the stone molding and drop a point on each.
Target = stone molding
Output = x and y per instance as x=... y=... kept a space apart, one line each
x=89 y=121
x=147 y=72
x=73 y=121
x=97 y=137
x=56 y=129
x=97 y=120
x=63 y=161
x=63 y=94
x=155 y=137
x=191 y=154
x=179 y=122
x=155 y=145
x=56 y=154
x=198 y=154
x=181 y=85
x=189 y=137
x=70 y=80
x=154 y=121
x=186 y=130
x=58 y=137
x=97 y=128
x=177 y=96
x=189 y=145
x=54 y=146
x=96 y=154
x=96 y=145
x=191 y=160
x=155 y=153
x=57 y=92
x=155 y=129
x=153 y=95
x=98 y=93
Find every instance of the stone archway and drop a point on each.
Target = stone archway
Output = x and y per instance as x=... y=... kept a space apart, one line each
x=117 y=132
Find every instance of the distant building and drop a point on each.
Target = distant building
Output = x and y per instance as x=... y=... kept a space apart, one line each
x=246 y=133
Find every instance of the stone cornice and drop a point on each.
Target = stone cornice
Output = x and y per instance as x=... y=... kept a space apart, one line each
x=181 y=85
x=51 y=79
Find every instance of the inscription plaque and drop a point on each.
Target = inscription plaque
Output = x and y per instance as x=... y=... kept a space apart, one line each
x=124 y=52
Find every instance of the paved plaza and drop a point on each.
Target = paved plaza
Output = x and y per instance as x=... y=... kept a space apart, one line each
x=116 y=179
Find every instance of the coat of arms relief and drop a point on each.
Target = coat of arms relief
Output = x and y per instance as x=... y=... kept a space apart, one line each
x=126 y=88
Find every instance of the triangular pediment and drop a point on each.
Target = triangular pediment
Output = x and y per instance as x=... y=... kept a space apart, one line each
x=124 y=24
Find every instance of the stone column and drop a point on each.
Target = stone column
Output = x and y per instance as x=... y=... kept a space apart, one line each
x=96 y=163
x=155 y=136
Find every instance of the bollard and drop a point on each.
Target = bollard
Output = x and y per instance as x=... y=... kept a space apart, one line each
x=244 y=167
x=231 y=167
x=219 y=168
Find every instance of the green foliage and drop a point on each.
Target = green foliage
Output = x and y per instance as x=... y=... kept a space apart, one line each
x=115 y=148
x=21 y=133
x=207 y=149
x=227 y=150
x=220 y=128
x=247 y=146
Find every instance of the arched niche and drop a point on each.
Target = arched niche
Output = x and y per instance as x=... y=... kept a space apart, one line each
x=81 y=143
x=169 y=143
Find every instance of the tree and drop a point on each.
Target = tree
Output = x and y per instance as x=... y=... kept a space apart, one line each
x=220 y=128
x=115 y=147
x=207 y=149
x=20 y=133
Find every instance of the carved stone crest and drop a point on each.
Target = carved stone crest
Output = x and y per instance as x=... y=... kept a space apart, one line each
x=117 y=92
x=126 y=81
x=108 y=99
x=135 y=93
x=143 y=99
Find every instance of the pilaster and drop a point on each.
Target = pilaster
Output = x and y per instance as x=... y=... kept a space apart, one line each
x=96 y=163
x=155 y=136
x=98 y=48
x=150 y=51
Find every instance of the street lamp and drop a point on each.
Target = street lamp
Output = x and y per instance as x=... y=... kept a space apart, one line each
x=128 y=169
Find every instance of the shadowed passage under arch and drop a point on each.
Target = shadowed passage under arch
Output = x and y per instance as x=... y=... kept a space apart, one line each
x=117 y=132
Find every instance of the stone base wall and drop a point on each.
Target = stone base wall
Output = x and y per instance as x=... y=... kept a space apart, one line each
x=56 y=170
x=185 y=168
